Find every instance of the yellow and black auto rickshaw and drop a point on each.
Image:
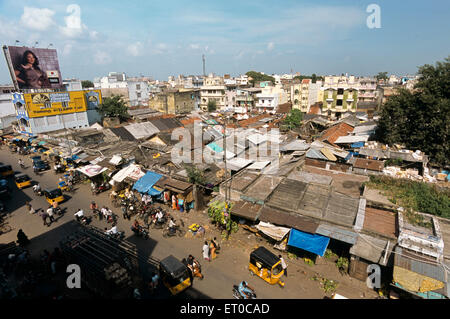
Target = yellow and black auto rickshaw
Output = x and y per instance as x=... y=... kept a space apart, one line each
x=6 y=170
x=22 y=180
x=53 y=195
x=174 y=275
x=266 y=265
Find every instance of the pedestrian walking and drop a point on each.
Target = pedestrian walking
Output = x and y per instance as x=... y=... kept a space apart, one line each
x=29 y=208
x=44 y=217
x=206 y=253
x=212 y=250
x=154 y=282
x=283 y=265
x=50 y=214
x=125 y=213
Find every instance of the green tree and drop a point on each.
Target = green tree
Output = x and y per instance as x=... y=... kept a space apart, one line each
x=212 y=106
x=421 y=119
x=382 y=76
x=87 y=84
x=258 y=77
x=293 y=119
x=314 y=78
x=114 y=106
x=195 y=175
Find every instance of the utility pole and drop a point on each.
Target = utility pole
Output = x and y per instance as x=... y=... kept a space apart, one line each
x=203 y=58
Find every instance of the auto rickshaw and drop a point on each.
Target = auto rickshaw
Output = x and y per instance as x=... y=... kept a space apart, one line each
x=53 y=195
x=174 y=275
x=22 y=180
x=64 y=186
x=6 y=170
x=266 y=265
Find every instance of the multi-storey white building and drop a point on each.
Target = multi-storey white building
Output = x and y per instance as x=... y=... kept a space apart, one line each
x=213 y=89
x=138 y=92
x=269 y=98
x=112 y=81
x=367 y=89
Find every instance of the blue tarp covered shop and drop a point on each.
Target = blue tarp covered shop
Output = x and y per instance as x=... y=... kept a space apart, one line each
x=313 y=243
x=146 y=182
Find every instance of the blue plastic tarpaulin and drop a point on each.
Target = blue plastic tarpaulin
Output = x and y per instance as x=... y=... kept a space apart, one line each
x=154 y=192
x=313 y=243
x=146 y=182
x=357 y=145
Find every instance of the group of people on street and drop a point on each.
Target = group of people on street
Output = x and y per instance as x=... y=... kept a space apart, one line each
x=210 y=250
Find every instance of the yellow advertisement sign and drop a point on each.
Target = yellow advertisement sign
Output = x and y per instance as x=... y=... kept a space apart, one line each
x=49 y=104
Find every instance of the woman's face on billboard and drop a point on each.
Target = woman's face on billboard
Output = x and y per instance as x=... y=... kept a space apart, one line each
x=30 y=58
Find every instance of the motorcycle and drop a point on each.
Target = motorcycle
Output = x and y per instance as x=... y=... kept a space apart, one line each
x=58 y=211
x=141 y=232
x=59 y=170
x=38 y=192
x=112 y=219
x=119 y=235
x=177 y=230
x=238 y=295
x=101 y=188
x=84 y=220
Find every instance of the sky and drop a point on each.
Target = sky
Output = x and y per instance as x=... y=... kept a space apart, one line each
x=162 y=38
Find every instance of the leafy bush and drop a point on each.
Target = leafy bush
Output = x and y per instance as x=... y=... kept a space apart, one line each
x=219 y=215
x=342 y=263
x=412 y=195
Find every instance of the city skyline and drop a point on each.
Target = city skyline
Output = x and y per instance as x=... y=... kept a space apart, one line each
x=160 y=39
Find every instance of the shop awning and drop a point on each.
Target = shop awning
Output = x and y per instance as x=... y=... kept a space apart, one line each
x=316 y=244
x=273 y=231
x=132 y=171
x=91 y=170
x=146 y=182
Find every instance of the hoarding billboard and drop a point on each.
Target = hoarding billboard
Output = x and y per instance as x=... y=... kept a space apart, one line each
x=48 y=104
x=33 y=68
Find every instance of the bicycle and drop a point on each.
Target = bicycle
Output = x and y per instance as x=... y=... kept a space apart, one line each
x=5 y=228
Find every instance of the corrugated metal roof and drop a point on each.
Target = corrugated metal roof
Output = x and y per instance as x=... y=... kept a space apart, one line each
x=337 y=233
x=316 y=154
x=288 y=194
x=411 y=261
x=369 y=164
x=341 y=209
x=122 y=133
x=380 y=221
x=262 y=187
x=352 y=139
x=306 y=177
x=282 y=218
x=246 y=210
x=296 y=145
x=372 y=249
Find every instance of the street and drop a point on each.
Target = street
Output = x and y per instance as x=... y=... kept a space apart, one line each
x=231 y=266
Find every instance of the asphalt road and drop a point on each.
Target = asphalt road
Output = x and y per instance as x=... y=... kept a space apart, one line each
x=229 y=268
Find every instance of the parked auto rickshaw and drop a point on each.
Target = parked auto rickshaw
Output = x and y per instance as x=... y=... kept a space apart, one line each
x=266 y=265
x=174 y=275
x=22 y=180
x=6 y=170
x=53 y=195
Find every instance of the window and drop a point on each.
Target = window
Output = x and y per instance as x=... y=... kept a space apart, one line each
x=138 y=95
x=339 y=102
x=340 y=91
x=138 y=86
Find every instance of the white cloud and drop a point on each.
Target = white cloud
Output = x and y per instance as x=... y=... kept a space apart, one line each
x=135 y=49
x=270 y=46
x=101 y=57
x=37 y=19
x=194 y=46
x=67 y=49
